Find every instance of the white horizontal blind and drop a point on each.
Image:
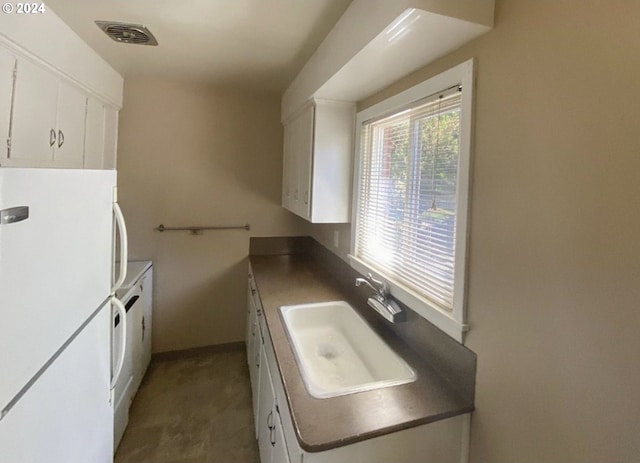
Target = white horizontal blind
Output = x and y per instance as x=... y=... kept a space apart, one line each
x=407 y=204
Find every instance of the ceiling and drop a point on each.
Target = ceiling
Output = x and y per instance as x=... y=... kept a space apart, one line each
x=259 y=44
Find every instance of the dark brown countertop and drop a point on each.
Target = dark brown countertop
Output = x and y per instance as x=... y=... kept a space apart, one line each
x=322 y=424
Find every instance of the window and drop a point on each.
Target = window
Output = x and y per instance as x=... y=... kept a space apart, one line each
x=410 y=203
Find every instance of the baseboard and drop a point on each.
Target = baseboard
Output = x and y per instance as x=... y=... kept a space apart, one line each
x=197 y=351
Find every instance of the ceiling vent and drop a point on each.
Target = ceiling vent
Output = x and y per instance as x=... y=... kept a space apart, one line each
x=127 y=33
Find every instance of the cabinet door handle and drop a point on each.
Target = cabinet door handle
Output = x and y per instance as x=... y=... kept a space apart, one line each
x=52 y=137
x=295 y=195
x=306 y=197
x=60 y=138
x=272 y=428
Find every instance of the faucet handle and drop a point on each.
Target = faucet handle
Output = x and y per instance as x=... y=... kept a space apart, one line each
x=383 y=289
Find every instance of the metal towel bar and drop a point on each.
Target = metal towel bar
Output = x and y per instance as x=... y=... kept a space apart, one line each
x=199 y=230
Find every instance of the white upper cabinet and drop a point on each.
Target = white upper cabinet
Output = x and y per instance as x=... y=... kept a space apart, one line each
x=50 y=122
x=33 y=123
x=101 y=135
x=70 y=121
x=298 y=151
x=94 y=135
x=47 y=121
x=7 y=66
x=317 y=162
x=110 y=137
x=59 y=100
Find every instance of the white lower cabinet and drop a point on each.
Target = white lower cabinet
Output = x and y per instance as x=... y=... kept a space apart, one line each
x=279 y=453
x=265 y=412
x=139 y=327
x=271 y=440
x=266 y=408
x=254 y=344
x=146 y=289
x=443 y=441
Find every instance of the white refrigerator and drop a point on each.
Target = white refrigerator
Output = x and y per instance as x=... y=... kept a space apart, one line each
x=57 y=234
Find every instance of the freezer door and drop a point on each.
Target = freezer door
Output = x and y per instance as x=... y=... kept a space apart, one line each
x=66 y=417
x=55 y=266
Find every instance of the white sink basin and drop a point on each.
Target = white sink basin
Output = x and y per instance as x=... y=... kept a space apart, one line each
x=338 y=353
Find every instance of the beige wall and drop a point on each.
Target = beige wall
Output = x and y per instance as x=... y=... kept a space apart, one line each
x=195 y=155
x=554 y=287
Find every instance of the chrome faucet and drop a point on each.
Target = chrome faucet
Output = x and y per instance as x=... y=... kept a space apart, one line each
x=382 y=301
x=378 y=286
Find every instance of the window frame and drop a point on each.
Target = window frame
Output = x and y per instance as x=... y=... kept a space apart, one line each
x=453 y=322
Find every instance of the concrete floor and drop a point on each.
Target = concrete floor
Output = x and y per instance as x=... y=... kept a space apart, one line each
x=194 y=409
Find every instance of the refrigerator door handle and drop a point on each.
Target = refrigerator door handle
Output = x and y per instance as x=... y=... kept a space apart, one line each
x=123 y=339
x=122 y=228
x=14 y=214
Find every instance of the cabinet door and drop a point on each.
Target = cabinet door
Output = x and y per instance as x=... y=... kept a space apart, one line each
x=134 y=338
x=279 y=453
x=146 y=303
x=266 y=411
x=254 y=369
x=110 y=137
x=304 y=156
x=33 y=131
x=7 y=65
x=318 y=162
x=251 y=345
x=71 y=115
x=297 y=163
x=249 y=335
x=94 y=135
x=254 y=343
x=288 y=170
x=123 y=387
